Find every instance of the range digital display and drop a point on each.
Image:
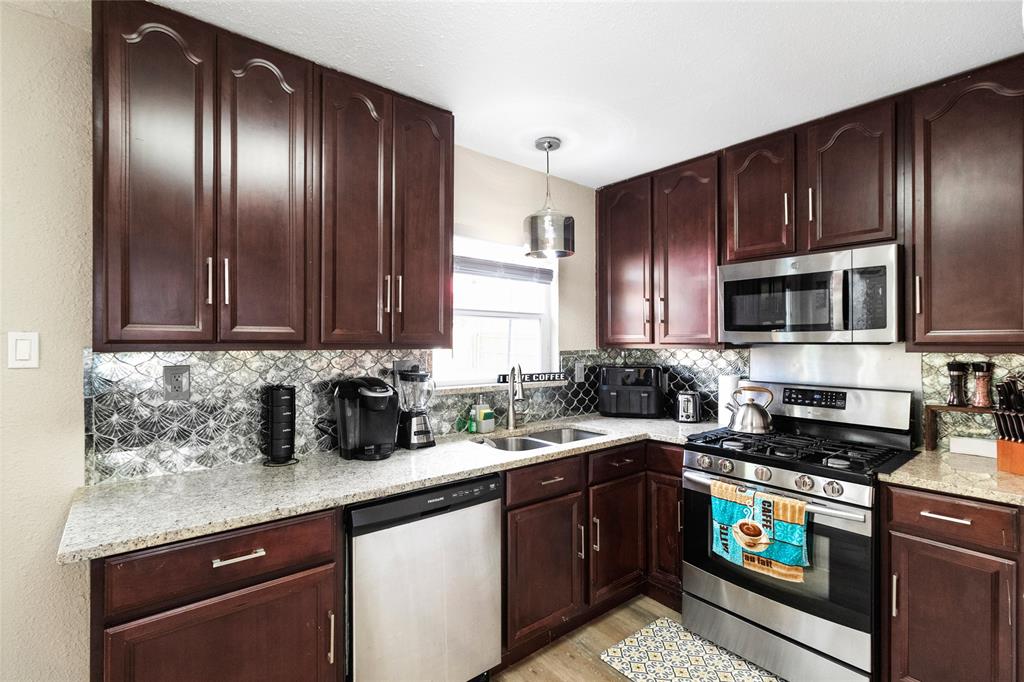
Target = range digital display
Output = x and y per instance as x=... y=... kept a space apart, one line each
x=809 y=397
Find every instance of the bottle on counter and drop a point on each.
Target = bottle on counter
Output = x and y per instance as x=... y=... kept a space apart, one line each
x=485 y=422
x=983 y=383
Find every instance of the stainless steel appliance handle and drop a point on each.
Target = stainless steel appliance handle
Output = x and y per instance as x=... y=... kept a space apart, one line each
x=583 y=541
x=893 y=593
x=949 y=519
x=209 y=281
x=227 y=283
x=917 y=295
x=597 y=534
x=399 y=293
x=785 y=208
x=330 y=651
x=255 y=554
x=556 y=479
x=810 y=204
x=387 y=295
x=810 y=508
x=837 y=289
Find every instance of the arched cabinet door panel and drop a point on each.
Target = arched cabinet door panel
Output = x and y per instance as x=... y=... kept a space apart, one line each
x=850 y=197
x=261 y=234
x=423 y=226
x=625 y=305
x=155 y=131
x=968 y=212
x=357 y=291
x=760 y=198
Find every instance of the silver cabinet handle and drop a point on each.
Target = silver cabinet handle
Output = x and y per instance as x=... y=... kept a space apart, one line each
x=583 y=541
x=679 y=514
x=622 y=463
x=227 y=283
x=399 y=293
x=597 y=534
x=330 y=651
x=255 y=554
x=209 y=281
x=661 y=312
x=647 y=310
x=810 y=204
x=917 y=295
x=895 y=585
x=556 y=479
x=785 y=208
x=387 y=295
x=949 y=519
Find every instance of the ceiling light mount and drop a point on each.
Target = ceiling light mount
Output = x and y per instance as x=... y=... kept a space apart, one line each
x=549 y=232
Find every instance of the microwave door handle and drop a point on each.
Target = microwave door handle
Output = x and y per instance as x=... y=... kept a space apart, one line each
x=810 y=508
x=839 y=300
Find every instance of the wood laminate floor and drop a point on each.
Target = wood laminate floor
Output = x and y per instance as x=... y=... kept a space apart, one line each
x=577 y=656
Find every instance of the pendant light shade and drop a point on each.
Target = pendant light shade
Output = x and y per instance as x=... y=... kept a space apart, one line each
x=549 y=232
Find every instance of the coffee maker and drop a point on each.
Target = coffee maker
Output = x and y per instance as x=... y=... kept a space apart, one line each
x=415 y=388
x=366 y=414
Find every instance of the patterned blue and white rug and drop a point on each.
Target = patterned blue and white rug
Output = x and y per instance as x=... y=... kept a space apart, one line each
x=665 y=650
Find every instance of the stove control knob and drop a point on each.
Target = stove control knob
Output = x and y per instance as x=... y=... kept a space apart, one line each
x=804 y=482
x=704 y=462
x=833 y=488
x=726 y=466
x=763 y=474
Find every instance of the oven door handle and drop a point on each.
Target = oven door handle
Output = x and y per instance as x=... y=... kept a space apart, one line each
x=811 y=508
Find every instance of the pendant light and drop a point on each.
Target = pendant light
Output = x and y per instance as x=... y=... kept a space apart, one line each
x=550 y=233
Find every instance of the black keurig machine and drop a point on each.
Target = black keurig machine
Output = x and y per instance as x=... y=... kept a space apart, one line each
x=278 y=425
x=366 y=416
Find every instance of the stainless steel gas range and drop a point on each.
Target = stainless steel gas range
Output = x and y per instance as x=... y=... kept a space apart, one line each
x=828 y=446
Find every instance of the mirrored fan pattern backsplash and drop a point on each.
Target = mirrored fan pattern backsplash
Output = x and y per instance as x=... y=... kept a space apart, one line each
x=131 y=431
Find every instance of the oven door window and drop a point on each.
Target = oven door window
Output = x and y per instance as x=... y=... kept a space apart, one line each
x=837 y=584
x=807 y=302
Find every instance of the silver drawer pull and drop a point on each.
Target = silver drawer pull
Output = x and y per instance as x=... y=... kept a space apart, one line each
x=255 y=554
x=893 y=595
x=330 y=651
x=597 y=534
x=583 y=542
x=950 y=519
x=556 y=479
x=209 y=281
x=622 y=463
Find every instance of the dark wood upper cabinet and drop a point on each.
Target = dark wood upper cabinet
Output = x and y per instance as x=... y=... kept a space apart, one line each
x=686 y=253
x=423 y=227
x=760 y=190
x=664 y=530
x=261 y=233
x=545 y=565
x=968 y=213
x=617 y=533
x=357 y=287
x=624 y=267
x=277 y=630
x=851 y=192
x=155 y=154
x=969 y=638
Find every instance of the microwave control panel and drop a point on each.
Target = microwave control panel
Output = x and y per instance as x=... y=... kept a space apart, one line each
x=809 y=397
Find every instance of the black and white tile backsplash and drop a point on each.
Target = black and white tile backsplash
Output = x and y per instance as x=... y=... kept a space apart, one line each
x=132 y=432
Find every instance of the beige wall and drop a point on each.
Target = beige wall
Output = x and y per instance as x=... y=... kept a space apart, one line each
x=491 y=199
x=45 y=286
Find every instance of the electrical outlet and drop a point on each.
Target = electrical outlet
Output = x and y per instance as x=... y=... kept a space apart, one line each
x=579 y=372
x=177 y=383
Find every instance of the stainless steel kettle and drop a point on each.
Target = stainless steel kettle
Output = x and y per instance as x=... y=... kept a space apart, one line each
x=750 y=416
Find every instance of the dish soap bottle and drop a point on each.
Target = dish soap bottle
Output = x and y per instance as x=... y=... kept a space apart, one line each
x=484 y=415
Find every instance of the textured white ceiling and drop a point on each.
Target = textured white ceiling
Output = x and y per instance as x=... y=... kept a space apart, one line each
x=630 y=86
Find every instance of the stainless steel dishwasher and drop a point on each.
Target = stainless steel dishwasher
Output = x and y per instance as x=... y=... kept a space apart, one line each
x=424 y=584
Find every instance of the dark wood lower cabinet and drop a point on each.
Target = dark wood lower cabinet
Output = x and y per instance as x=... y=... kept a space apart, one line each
x=617 y=535
x=664 y=531
x=277 y=630
x=545 y=565
x=954 y=616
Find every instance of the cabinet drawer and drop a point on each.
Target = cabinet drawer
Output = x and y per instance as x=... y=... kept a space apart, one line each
x=617 y=462
x=954 y=519
x=665 y=459
x=543 y=481
x=198 y=568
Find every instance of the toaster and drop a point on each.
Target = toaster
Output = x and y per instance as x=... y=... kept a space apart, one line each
x=687 y=407
x=631 y=391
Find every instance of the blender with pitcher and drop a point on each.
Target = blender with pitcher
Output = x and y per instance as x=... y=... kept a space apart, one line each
x=415 y=388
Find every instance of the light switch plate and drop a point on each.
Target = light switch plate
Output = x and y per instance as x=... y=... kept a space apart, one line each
x=22 y=350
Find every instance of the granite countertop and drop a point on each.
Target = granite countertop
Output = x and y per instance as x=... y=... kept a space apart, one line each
x=965 y=475
x=111 y=518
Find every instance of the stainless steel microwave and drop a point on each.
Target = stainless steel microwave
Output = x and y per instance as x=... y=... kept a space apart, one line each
x=833 y=297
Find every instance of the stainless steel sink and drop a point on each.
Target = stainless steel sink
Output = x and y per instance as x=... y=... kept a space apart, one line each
x=513 y=443
x=567 y=435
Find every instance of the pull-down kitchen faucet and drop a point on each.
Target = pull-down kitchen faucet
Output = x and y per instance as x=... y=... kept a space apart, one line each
x=515 y=394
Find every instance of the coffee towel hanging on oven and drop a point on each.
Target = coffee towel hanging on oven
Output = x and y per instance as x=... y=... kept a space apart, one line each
x=759 y=531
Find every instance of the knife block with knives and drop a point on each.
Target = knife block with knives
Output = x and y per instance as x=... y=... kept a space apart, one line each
x=1010 y=424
